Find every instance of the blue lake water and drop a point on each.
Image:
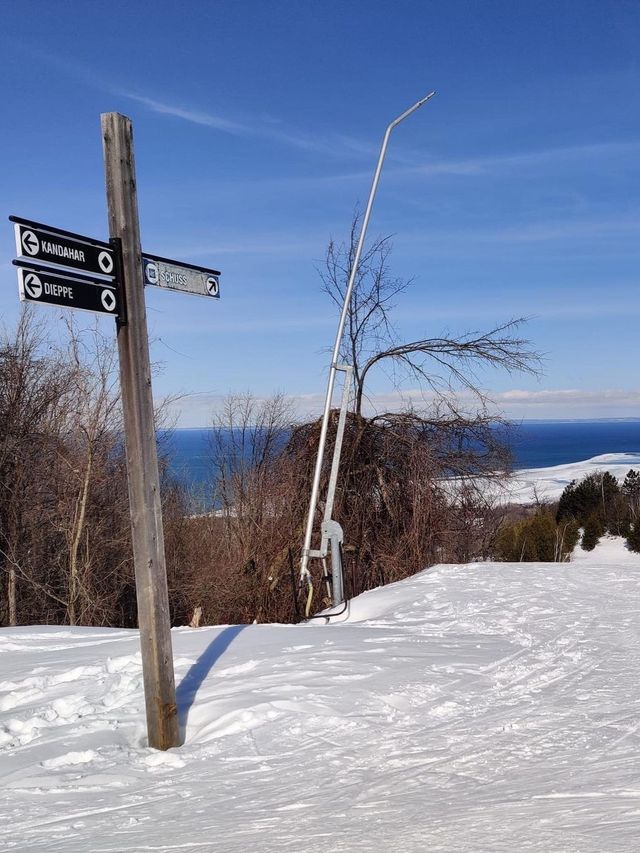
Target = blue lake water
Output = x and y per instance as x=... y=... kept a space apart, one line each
x=190 y=456
x=538 y=444
x=535 y=444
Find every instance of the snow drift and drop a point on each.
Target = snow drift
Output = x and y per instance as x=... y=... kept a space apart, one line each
x=486 y=707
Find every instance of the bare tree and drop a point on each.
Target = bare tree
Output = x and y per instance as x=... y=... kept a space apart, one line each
x=65 y=549
x=33 y=401
x=439 y=363
x=247 y=436
x=92 y=427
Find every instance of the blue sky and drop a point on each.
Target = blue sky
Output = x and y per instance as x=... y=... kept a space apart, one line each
x=516 y=191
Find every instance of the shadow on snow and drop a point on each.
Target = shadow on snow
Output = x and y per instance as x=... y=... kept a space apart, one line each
x=197 y=673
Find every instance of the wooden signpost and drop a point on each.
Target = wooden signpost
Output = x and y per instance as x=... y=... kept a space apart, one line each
x=60 y=268
x=140 y=440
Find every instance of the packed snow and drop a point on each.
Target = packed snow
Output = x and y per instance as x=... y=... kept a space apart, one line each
x=481 y=707
x=533 y=485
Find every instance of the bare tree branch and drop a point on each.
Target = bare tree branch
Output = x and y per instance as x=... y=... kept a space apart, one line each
x=438 y=363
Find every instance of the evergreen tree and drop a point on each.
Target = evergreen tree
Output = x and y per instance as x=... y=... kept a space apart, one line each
x=631 y=491
x=567 y=502
x=536 y=539
x=593 y=530
x=631 y=485
x=595 y=493
x=633 y=539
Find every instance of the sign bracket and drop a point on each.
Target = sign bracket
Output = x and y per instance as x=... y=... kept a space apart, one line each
x=116 y=245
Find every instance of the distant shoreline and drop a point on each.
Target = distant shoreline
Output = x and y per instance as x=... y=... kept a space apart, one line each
x=535 y=445
x=529 y=485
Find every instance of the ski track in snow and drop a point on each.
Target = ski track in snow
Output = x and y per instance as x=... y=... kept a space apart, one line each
x=484 y=707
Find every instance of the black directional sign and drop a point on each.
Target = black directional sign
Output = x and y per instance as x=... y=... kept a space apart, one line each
x=39 y=284
x=48 y=245
x=175 y=275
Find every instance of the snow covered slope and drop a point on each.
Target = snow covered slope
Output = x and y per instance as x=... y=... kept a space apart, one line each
x=547 y=484
x=491 y=707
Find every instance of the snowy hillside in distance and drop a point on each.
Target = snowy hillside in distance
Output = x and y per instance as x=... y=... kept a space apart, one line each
x=487 y=707
x=547 y=484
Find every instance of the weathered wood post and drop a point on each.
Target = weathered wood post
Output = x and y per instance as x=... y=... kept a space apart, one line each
x=140 y=441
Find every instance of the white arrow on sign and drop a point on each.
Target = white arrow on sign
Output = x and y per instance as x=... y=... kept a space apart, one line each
x=33 y=285
x=30 y=243
x=108 y=299
x=105 y=261
x=212 y=285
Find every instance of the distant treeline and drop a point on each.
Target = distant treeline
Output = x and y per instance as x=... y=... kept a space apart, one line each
x=587 y=509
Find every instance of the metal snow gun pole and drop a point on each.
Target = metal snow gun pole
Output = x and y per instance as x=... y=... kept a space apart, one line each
x=331 y=532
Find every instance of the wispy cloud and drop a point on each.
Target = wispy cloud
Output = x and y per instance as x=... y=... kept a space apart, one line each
x=566 y=229
x=203 y=325
x=205 y=119
x=197 y=409
x=569 y=403
x=335 y=144
x=413 y=163
x=530 y=232
x=572 y=396
x=277 y=245
x=557 y=156
x=558 y=402
x=536 y=306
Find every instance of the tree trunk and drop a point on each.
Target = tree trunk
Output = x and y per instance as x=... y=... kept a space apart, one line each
x=11 y=598
x=75 y=543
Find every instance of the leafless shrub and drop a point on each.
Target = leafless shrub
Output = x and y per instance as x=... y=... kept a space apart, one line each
x=410 y=494
x=65 y=551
